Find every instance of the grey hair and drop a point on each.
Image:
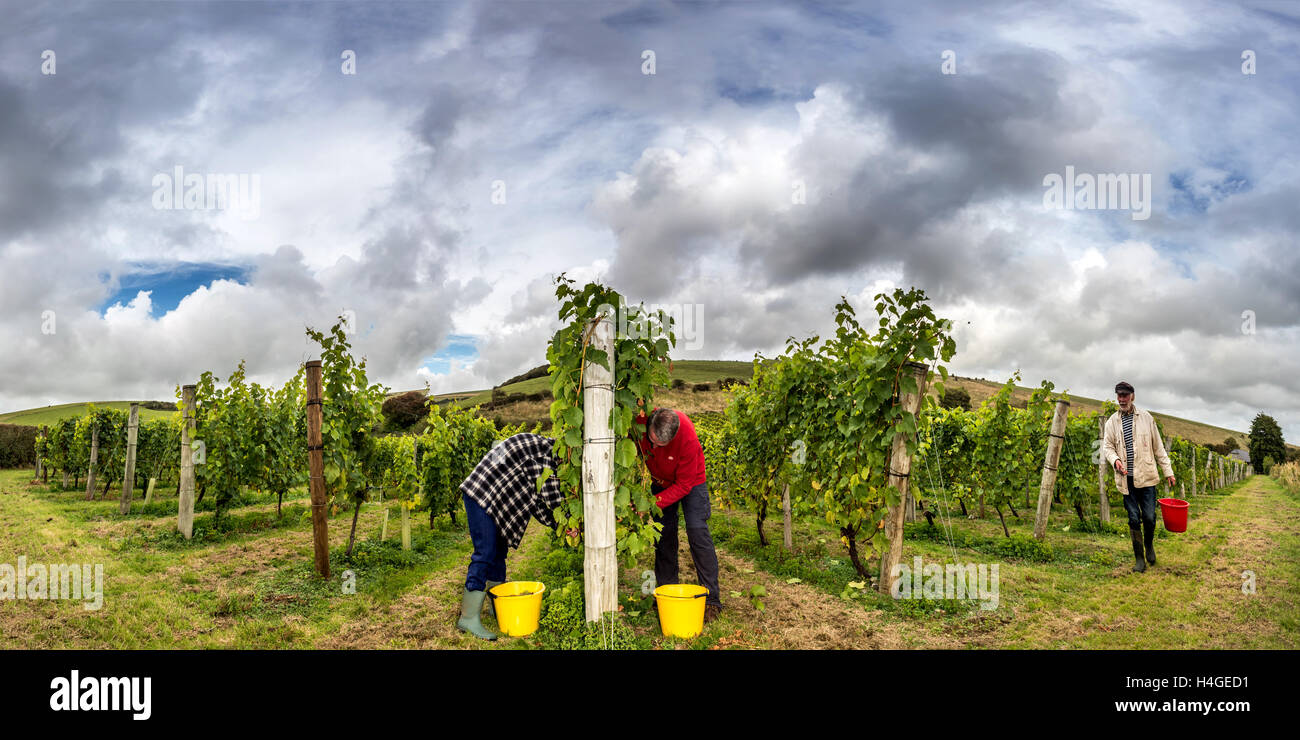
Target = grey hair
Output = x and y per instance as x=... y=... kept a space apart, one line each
x=664 y=423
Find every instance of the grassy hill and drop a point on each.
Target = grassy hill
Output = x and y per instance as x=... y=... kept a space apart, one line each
x=688 y=371
x=1171 y=426
x=691 y=372
x=50 y=414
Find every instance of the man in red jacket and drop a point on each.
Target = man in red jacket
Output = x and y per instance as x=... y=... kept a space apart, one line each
x=675 y=459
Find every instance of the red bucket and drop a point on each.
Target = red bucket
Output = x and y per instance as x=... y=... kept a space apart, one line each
x=1174 y=512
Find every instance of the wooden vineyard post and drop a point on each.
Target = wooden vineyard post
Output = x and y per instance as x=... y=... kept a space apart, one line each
x=94 y=459
x=909 y=507
x=39 y=467
x=1047 y=489
x=128 y=478
x=406 y=526
x=1104 y=511
x=185 y=486
x=900 y=467
x=406 y=509
x=148 y=492
x=787 y=526
x=600 y=560
x=1193 y=471
x=316 y=463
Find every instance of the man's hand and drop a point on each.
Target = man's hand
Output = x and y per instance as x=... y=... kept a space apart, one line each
x=1119 y=466
x=1170 y=481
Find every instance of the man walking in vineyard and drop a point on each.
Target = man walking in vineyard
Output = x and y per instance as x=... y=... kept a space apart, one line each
x=675 y=459
x=1133 y=447
x=501 y=494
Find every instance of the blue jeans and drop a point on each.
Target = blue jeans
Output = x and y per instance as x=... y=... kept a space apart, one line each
x=1140 y=503
x=696 y=508
x=488 y=563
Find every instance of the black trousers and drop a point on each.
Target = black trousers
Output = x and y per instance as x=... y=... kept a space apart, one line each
x=696 y=509
x=1140 y=505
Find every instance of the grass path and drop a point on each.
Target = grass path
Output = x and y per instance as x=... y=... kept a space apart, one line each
x=254 y=588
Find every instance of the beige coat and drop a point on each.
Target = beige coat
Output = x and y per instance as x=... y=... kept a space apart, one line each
x=1148 y=449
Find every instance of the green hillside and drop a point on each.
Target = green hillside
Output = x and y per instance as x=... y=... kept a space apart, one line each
x=690 y=372
x=50 y=414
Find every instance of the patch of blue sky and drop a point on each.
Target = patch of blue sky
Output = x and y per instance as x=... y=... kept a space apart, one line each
x=1189 y=196
x=461 y=349
x=843 y=17
x=168 y=283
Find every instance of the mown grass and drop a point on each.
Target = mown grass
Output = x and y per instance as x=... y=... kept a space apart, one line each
x=251 y=583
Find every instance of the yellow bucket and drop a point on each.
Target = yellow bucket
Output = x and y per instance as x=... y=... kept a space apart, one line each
x=518 y=606
x=681 y=609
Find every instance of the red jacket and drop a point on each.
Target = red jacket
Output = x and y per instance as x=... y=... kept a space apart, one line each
x=677 y=466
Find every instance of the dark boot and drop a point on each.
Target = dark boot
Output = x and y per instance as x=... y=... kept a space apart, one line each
x=1135 y=534
x=491 y=597
x=1148 y=537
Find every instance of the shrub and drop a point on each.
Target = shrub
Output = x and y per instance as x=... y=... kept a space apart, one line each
x=1024 y=547
x=678 y=384
x=404 y=410
x=701 y=387
x=159 y=405
x=564 y=627
x=956 y=398
x=17 y=445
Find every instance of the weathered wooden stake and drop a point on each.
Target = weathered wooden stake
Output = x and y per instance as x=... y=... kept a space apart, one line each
x=600 y=561
x=1193 y=471
x=406 y=526
x=316 y=463
x=148 y=492
x=185 y=487
x=900 y=467
x=128 y=478
x=94 y=459
x=39 y=460
x=787 y=526
x=1103 y=512
x=1047 y=489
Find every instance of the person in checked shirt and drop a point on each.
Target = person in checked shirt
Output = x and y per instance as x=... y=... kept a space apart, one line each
x=501 y=495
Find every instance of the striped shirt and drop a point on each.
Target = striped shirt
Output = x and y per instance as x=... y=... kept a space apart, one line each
x=1128 y=439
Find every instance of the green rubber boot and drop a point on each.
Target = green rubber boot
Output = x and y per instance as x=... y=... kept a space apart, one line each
x=1135 y=534
x=1148 y=541
x=471 y=605
x=492 y=599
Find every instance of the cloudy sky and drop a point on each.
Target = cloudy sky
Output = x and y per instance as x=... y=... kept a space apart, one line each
x=752 y=161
